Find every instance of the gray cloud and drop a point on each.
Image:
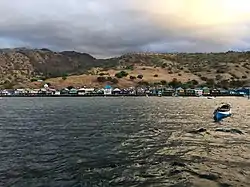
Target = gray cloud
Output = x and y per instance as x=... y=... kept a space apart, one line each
x=113 y=27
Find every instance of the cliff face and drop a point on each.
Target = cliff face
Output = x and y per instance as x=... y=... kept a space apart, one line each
x=21 y=65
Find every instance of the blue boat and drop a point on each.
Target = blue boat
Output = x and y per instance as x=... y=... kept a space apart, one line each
x=222 y=112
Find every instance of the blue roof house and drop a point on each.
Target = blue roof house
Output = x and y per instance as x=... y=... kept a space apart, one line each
x=108 y=90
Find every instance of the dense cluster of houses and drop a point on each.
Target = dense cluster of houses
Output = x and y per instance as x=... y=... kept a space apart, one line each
x=109 y=90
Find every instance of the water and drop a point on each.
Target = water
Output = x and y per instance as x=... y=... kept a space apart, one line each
x=122 y=142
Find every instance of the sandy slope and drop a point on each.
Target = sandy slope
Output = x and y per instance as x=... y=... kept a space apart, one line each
x=148 y=73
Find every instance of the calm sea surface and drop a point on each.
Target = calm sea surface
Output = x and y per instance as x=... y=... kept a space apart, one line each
x=122 y=142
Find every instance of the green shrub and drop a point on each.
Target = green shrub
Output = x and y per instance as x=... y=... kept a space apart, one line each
x=101 y=74
x=118 y=75
x=121 y=74
x=130 y=67
x=33 y=79
x=64 y=77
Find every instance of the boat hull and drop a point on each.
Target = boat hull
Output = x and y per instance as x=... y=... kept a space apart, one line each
x=218 y=116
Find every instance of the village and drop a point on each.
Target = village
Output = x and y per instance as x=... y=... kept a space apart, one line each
x=108 y=90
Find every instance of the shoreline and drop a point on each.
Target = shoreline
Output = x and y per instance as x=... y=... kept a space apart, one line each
x=119 y=95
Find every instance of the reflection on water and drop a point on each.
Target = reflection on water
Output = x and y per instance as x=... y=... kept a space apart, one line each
x=122 y=142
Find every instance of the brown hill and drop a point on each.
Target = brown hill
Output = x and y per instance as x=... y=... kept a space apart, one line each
x=22 y=67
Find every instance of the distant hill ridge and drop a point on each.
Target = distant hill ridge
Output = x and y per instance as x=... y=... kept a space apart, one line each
x=21 y=65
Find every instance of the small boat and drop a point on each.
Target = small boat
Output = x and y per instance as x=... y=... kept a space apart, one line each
x=210 y=97
x=222 y=112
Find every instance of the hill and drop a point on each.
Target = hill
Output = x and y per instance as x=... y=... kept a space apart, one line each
x=21 y=67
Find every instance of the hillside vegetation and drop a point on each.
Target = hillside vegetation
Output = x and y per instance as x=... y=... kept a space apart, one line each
x=21 y=67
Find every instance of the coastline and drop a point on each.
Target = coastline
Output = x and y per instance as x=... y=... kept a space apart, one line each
x=119 y=95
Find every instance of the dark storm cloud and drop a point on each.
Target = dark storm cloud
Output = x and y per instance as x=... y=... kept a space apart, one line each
x=113 y=27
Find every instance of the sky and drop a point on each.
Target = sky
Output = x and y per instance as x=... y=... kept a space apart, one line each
x=105 y=28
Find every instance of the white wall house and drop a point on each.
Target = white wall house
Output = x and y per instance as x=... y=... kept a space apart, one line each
x=198 y=92
x=116 y=91
x=83 y=91
x=5 y=92
x=57 y=92
x=34 y=91
x=19 y=91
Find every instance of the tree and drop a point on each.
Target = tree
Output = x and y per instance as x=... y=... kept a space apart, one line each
x=164 y=65
x=163 y=82
x=175 y=83
x=101 y=74
x=118 y=75
x=204 y=78
x=109 y=78
x=8 y=85
x=144 y=83
x=121 y=74
x=124 y=73
x=186 y=85
x=244 y=77
x=130 y=67
x=64 y=76
x=194 y=82
x=218 y=77
x=140 y=76
x=101 y=79
x=70 y=87
x=132 y=77
x=156 y=83
x=191 y=84
x=210 y=82
x=237 y=83
x=114 y=80
x=33 y=79
x=223 y=84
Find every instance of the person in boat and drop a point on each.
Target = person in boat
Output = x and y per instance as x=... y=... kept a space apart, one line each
x=223 y=108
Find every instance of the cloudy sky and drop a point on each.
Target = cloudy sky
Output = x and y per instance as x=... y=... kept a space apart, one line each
x=112 y=27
